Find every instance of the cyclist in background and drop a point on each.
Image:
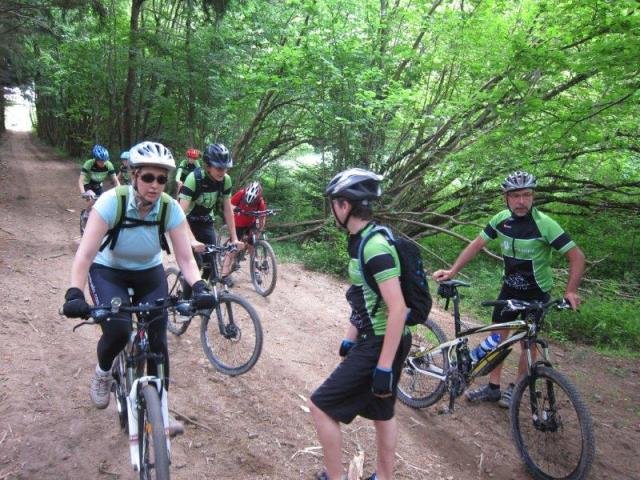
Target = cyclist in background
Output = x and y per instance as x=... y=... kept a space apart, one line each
x=134 y=261
x=124 y=176
x=186 y=166
x=95 y=171
x=527 y=239
x=248 y=199
x=377 y=341
x=198 y=198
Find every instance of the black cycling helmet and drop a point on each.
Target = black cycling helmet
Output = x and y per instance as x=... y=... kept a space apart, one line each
x=355 y=184
x=518 y=181
x=217 y=155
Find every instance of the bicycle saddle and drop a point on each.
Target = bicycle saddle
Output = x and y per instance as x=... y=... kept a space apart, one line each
x=447 y=288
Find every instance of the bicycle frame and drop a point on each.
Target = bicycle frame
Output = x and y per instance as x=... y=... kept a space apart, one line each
x=456 y=350
x=136 y=353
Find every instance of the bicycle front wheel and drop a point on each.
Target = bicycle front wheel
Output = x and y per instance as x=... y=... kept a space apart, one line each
x=177 y=324
x=264 y=269
x=231 y=335
x=152 y=440
x=119 y=372
x=84 y=216
x=551 y=426
x=418 y=386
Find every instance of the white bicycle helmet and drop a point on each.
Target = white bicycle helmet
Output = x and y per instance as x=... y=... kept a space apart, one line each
x=355 y=184
x=252 y=192
x=151 y=154
x=518 y=181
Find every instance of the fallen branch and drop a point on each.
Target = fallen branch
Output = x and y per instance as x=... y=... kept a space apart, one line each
x=299 y=234
x=182 y=416
x=309 y=450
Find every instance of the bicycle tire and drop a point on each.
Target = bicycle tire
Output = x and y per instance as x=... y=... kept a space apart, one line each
x=563 y=445
x=416 y=388
x=84 y=216
x=176 y=323
x=264 y=269
x=231 y=335
x=151 y=435
x=120 y=390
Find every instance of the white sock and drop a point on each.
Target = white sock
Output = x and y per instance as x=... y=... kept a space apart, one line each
x=101 y=372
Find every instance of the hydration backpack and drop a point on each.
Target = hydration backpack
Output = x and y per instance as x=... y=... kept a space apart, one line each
x=413 y=280
x=122 y=221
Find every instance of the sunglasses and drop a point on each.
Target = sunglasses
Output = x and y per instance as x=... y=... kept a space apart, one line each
x=150 y=178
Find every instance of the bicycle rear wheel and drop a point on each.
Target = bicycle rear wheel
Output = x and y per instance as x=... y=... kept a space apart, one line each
x=152 y=440
x=416 y=387
x=231 y=335
x=551 y=426
x=177 y=324
x=264 y=269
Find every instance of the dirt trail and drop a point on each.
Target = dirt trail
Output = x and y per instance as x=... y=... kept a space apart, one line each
x=256 y=427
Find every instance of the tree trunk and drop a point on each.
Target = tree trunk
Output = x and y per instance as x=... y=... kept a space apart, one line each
x=127 y=116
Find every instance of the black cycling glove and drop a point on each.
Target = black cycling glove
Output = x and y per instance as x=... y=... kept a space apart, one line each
x=75 y=306
x=382 y=385
x=201 y=296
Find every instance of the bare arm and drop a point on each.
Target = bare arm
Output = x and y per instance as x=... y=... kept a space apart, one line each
x=465 y=257
x=81 y=183
x=182 y=250
x=89 y=244
x=397 y=313
x=114 y=179
x=576 y=269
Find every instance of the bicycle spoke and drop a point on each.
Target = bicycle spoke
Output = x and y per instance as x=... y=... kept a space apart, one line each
x=417 y=388
x=232 y=336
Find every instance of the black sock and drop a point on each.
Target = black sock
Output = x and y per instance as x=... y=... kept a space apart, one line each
x=493 y=386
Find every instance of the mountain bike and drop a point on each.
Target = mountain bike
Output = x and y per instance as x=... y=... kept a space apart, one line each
x=84 y=213
x=550 y=422
x=263 y=268
x=141 y=400
x=230 y=332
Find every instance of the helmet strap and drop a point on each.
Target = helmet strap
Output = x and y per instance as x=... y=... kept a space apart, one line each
x=346 y=220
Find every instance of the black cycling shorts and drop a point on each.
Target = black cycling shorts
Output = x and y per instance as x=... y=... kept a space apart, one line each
x=507 y=293
x=347 y=392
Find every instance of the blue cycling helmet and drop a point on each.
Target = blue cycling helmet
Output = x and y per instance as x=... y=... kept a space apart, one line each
x=217 y=155
x=125 y=155
x=100 y=153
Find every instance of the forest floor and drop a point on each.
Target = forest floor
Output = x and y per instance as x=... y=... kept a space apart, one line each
x=254 y=426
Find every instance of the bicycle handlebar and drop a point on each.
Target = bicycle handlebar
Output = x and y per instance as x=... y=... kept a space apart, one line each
x=213 y=248
x=519 y=305
x=102 y=313
x=256 y=213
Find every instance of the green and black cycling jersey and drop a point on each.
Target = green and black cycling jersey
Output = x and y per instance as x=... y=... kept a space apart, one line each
x=203 y=195
x=184 y=168
x=94 y=174
x=125 y=174
x=526 y=244
x=381 y=260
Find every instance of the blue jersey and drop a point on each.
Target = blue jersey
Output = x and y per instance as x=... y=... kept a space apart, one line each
x=137 y=248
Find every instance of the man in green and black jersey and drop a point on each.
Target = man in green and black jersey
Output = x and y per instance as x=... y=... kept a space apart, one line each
x=95 y=171
x=527 y=239
x=198 y=198
x=377 y=341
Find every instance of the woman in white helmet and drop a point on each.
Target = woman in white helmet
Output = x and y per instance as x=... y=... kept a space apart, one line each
x=133 y=259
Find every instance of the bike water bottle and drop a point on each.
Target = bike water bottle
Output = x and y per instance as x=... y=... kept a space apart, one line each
x=485 y=347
